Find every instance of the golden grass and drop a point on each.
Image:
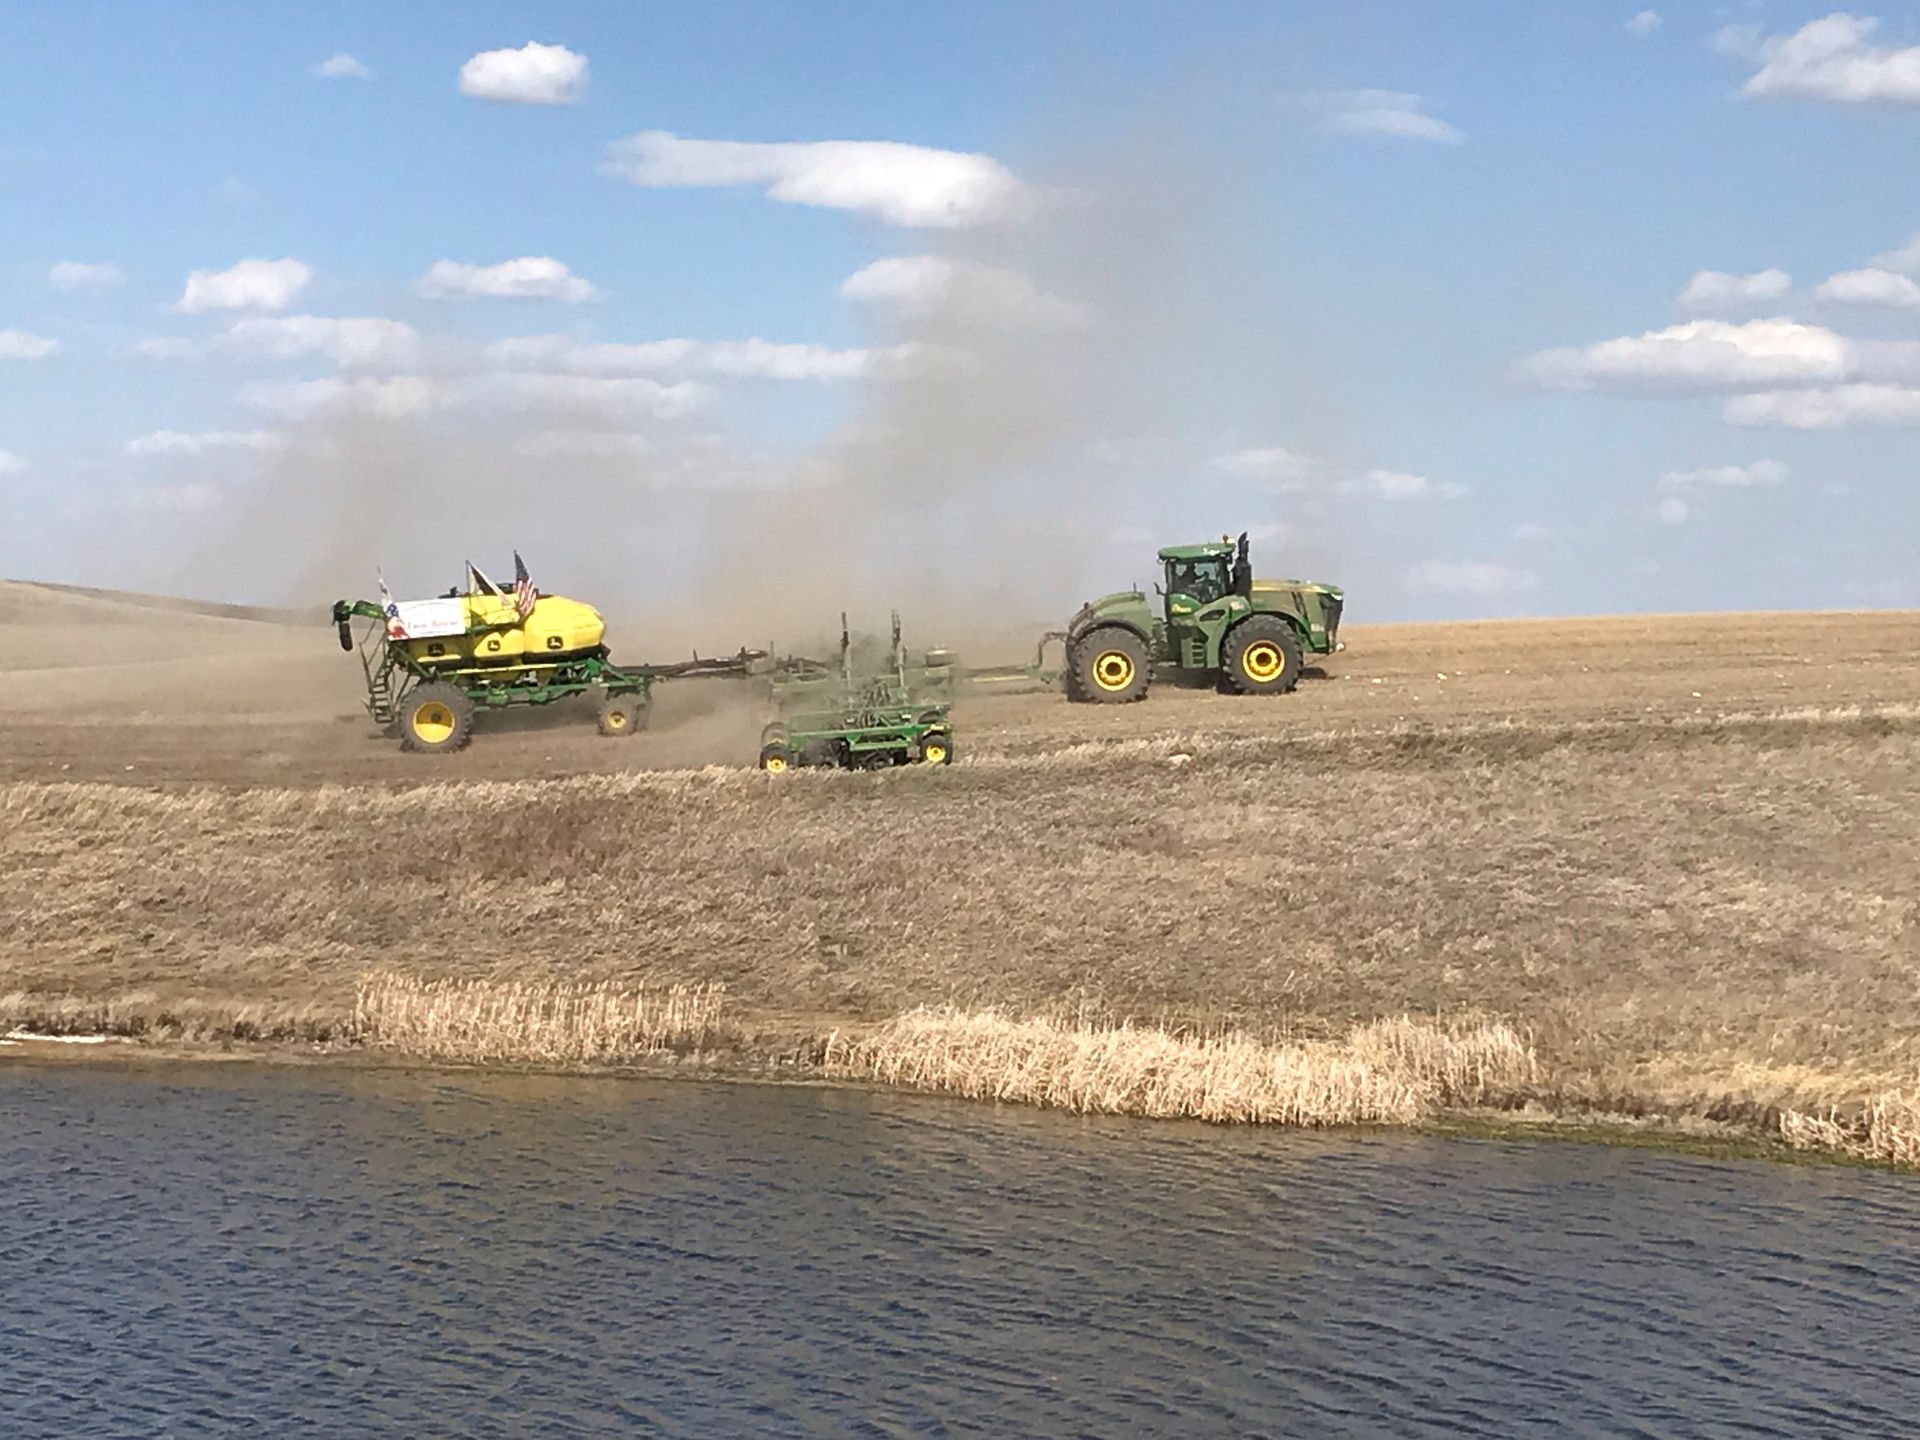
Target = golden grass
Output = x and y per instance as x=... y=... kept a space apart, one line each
x=1885 y=1130
x=552 y=1023
x=1393 y=1071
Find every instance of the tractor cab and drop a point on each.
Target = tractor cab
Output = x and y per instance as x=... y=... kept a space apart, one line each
x=1198 y=575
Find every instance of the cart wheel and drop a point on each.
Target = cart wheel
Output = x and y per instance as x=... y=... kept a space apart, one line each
x=937 y=748
x=435 y=719
x=773 y=759
x=622 y=714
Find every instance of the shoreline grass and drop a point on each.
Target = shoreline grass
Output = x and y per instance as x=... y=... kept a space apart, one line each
x=1402 y=1072
x=553 y=1022
x=1389 y=1072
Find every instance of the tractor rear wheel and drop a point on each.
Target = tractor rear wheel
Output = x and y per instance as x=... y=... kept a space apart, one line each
x=435 y=719
x=1108 y=666
x=1261 y=656
x=622 y=714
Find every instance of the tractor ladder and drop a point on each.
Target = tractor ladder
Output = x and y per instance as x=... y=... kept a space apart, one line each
x=380 y=698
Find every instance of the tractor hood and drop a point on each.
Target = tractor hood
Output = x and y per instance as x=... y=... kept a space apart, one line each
x=1311 y=587
x=1123 y=606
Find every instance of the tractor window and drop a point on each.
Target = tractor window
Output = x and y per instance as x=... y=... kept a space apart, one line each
x=1204 y=580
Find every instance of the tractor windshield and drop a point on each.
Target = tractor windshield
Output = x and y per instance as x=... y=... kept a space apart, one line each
x=1202 y=580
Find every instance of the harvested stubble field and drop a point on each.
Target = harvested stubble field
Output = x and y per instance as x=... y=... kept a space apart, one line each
x=1689 y=903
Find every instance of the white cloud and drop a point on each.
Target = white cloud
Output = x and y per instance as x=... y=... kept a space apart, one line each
x=173 y=442
x=1673 y=511
x=1399 y=485
x=1871 y=287
x=919 y=287
x=1529 y=533
x=390 y=399
x=910 y=185
x=1393 y=114
x=578 y=394
x=351 y=342
x=754 y=359
x=1286 y=472
x=11 y=464
x=1718 y=290
x=25 y=345
x=1906 y=258
x=531 y=277
x=1644 y=24
x=342 y=66
x=1470 y=577
x=78 y=275
x=357 y=342
x=1699 y=355
x=532 y=75
x=1762 y=474
x=250 y=285
x=1835 y=408
x=1832 y=59
x=398 y=396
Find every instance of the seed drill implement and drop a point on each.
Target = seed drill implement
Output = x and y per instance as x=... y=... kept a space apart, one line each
x=432 y=666
x=849 y=716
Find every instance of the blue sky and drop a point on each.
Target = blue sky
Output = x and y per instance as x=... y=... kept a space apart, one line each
x=1409 y=289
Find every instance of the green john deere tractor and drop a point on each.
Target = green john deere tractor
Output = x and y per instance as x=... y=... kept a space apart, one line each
x=1250 y=636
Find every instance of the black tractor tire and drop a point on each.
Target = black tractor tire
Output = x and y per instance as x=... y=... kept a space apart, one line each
x=435 y=719
x=774 y=758
x=622 y=714
x=1108 y=666
x=936 y=748
x=1261 y=656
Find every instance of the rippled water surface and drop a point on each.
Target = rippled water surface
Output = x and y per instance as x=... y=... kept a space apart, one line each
x=213 y=1250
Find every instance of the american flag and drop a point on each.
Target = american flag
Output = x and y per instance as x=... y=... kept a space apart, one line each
x=524 y=595
x=396 y=628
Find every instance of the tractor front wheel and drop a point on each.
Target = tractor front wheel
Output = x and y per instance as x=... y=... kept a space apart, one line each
x=1261 y=656
x=937 y=748
x=1108 y=666
x=622 y=714
x=436 y=719
x=774 y=759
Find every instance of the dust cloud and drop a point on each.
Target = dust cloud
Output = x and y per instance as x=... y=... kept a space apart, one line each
x=1044 y=401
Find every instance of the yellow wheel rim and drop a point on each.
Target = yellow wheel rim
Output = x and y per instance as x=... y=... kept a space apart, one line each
x=433 y=722
x=1113 y=670
x=1263 y=660
x=773 y=764
x=934 y=752
x=616 y=720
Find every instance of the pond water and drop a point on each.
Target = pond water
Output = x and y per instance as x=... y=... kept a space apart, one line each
x=204 y=1250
